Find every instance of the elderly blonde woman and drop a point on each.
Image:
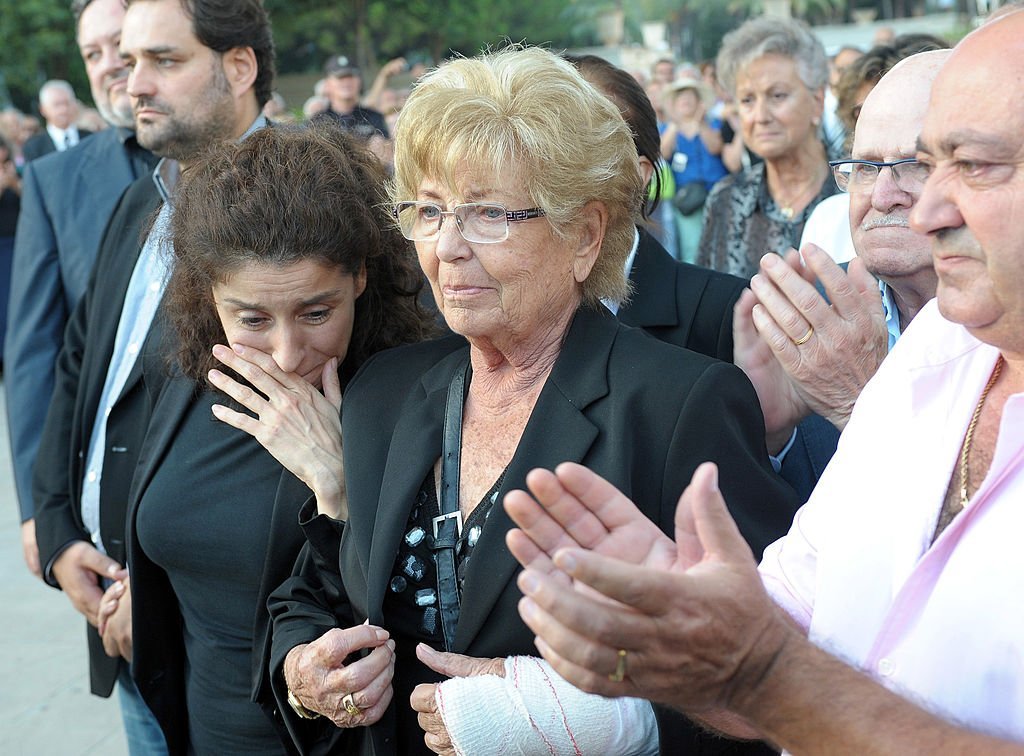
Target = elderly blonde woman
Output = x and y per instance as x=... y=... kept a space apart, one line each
x=776 y=71
x=518 y=183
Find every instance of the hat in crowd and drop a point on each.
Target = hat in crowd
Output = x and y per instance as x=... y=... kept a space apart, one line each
x=340 y=65
x=698 y=86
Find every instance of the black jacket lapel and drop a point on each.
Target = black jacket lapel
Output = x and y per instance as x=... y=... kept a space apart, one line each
x=654 y=288
x=558 y=431
x=415 y=447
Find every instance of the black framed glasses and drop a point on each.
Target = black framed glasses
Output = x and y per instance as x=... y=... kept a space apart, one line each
x=478 y=222
x=860 y=175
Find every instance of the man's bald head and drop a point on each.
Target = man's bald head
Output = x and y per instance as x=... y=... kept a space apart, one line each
x=890 y=122
x=973 y=140
x=903 y=93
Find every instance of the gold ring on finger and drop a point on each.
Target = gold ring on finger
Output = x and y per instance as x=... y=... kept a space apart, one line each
x=620 y=667
x=803 y=339
x=350 y=705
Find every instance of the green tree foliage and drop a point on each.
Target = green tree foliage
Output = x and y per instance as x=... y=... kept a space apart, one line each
x=38 y=36
x=37 y=42
x=373 y=31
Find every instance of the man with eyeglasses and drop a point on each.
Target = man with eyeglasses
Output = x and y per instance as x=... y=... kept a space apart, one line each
x=809 y=354
x=888 y=620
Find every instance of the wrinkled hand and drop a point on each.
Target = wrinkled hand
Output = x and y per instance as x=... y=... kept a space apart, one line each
x=78 y=571
x=297 y=424
x=29 y=547
x=781 y=404
x=696 y=633
x=577 y=508
x=424 y=697
x=115 y=620
x=317 y=675
x=849 y=340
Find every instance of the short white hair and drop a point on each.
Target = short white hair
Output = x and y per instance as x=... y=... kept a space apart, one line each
x=56 y=85
x=772 y=36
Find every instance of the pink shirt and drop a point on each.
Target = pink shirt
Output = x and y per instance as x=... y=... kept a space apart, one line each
x=942 y=624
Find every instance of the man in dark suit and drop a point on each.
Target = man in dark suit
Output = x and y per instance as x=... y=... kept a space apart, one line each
x=67 y=200
x=58 y=106
x=807 y=354
x=682 y=304
x=109 y=368
x=675 y=302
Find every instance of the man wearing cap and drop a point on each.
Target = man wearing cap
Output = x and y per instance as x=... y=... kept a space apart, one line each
x=342 y=88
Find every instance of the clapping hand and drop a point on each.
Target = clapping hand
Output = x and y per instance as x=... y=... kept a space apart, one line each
x=691 y=619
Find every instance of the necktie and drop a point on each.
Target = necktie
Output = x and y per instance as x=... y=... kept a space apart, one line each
x=67 y=140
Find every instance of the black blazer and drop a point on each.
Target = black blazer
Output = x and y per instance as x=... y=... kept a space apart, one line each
x=81 y=371
x=42 y=144
x=66 y=203
x=642 y=413
x=682 y=304
x=158 y=662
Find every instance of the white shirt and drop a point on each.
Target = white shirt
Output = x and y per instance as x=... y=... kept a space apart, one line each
x=145 y=292
x=63 y=139
x=941 y=624
x=829 y=227
x=611 y=304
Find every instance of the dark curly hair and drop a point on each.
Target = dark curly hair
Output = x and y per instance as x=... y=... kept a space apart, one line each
x=283 y=195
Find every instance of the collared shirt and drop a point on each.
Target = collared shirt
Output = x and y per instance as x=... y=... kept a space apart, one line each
x=892 y=315
x=611 y=304
x=941 y=623
x=145 y=292
x=828 y=226
x=63 y=139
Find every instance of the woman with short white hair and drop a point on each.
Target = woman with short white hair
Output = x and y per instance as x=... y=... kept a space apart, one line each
x=776 y=71
x=517 y=182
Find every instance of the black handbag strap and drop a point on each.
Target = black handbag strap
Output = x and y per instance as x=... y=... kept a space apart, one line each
x=447 y=526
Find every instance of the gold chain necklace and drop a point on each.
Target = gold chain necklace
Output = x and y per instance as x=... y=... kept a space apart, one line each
x=786 y=207
x=969 y=437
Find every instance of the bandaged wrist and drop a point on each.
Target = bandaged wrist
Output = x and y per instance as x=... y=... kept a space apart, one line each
x=533 y=710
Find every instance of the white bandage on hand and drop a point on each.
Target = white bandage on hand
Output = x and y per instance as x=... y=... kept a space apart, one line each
x=534 y=711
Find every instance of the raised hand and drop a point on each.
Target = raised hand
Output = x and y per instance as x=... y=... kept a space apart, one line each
x=297 y=424
x=829 y=351
x=575 y=507
x=781 y=404
x=692 y=628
